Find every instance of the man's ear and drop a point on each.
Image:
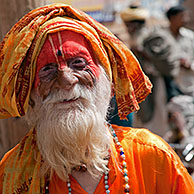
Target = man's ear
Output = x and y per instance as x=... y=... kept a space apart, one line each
x=31 y=102
x=31 y=99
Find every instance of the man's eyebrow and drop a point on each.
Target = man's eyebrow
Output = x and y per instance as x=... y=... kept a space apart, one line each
x=49 y=64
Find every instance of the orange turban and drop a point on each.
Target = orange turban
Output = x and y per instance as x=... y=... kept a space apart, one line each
x=22 y=44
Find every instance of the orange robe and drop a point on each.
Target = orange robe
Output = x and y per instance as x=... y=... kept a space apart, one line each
x=153 y=167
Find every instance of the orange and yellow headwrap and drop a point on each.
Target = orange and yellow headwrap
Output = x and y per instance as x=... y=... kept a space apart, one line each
x=21 y=46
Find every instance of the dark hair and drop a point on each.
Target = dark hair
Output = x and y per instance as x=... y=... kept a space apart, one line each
x=142 y=21
x=133 y=6
x=175 y=10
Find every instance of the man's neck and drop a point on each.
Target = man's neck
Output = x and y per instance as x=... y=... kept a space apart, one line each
x=174 y=30
x=87 y=182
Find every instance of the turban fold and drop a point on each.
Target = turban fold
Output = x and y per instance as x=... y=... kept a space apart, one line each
x=22 y=44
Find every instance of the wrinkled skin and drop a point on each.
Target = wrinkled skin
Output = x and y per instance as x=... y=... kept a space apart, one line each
x=69 y=60
x=66 y=59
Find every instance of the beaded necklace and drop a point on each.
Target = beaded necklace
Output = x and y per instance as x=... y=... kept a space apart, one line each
x=123 y=161
x=106 y=174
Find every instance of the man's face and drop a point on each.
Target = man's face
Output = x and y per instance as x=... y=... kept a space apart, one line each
x=134 y=26
x=71 y=95
x=65 y=60
x=180 y=19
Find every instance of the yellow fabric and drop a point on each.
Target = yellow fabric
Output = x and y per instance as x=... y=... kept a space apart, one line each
x=22 y=44
x=153 y=167
x=20 y=168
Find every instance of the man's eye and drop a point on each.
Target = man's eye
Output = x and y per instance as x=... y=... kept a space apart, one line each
x=48 y=72
x=46 y=68
x=78 y=63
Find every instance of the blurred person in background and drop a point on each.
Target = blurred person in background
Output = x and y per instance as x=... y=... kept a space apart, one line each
x=57 y=68
x=181 y=107
x=172 y=51
x=151 y=114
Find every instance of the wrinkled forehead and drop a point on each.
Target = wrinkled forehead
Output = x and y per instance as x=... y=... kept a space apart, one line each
x=63 y=45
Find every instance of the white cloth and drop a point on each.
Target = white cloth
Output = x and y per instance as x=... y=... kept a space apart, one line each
x=185 y=79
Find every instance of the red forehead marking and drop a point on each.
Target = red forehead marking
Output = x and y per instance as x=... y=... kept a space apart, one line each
x=69 y=44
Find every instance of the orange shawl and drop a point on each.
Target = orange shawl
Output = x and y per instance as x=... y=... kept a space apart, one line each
x=153 y=167
x=21 y=45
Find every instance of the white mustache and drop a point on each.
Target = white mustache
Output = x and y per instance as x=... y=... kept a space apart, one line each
x=62 y=95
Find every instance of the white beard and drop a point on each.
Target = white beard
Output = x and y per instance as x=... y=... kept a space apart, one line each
x=73 y=133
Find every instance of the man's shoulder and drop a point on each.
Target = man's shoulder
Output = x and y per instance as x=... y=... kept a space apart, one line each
x=143 y=137
x=159 y=31
x=186 y=32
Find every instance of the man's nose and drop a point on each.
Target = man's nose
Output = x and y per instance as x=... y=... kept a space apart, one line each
x=66 y=79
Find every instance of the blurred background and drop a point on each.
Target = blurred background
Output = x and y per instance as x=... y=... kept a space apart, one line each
x=154 y=114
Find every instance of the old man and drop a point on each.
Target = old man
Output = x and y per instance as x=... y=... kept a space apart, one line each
x=58 y=67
